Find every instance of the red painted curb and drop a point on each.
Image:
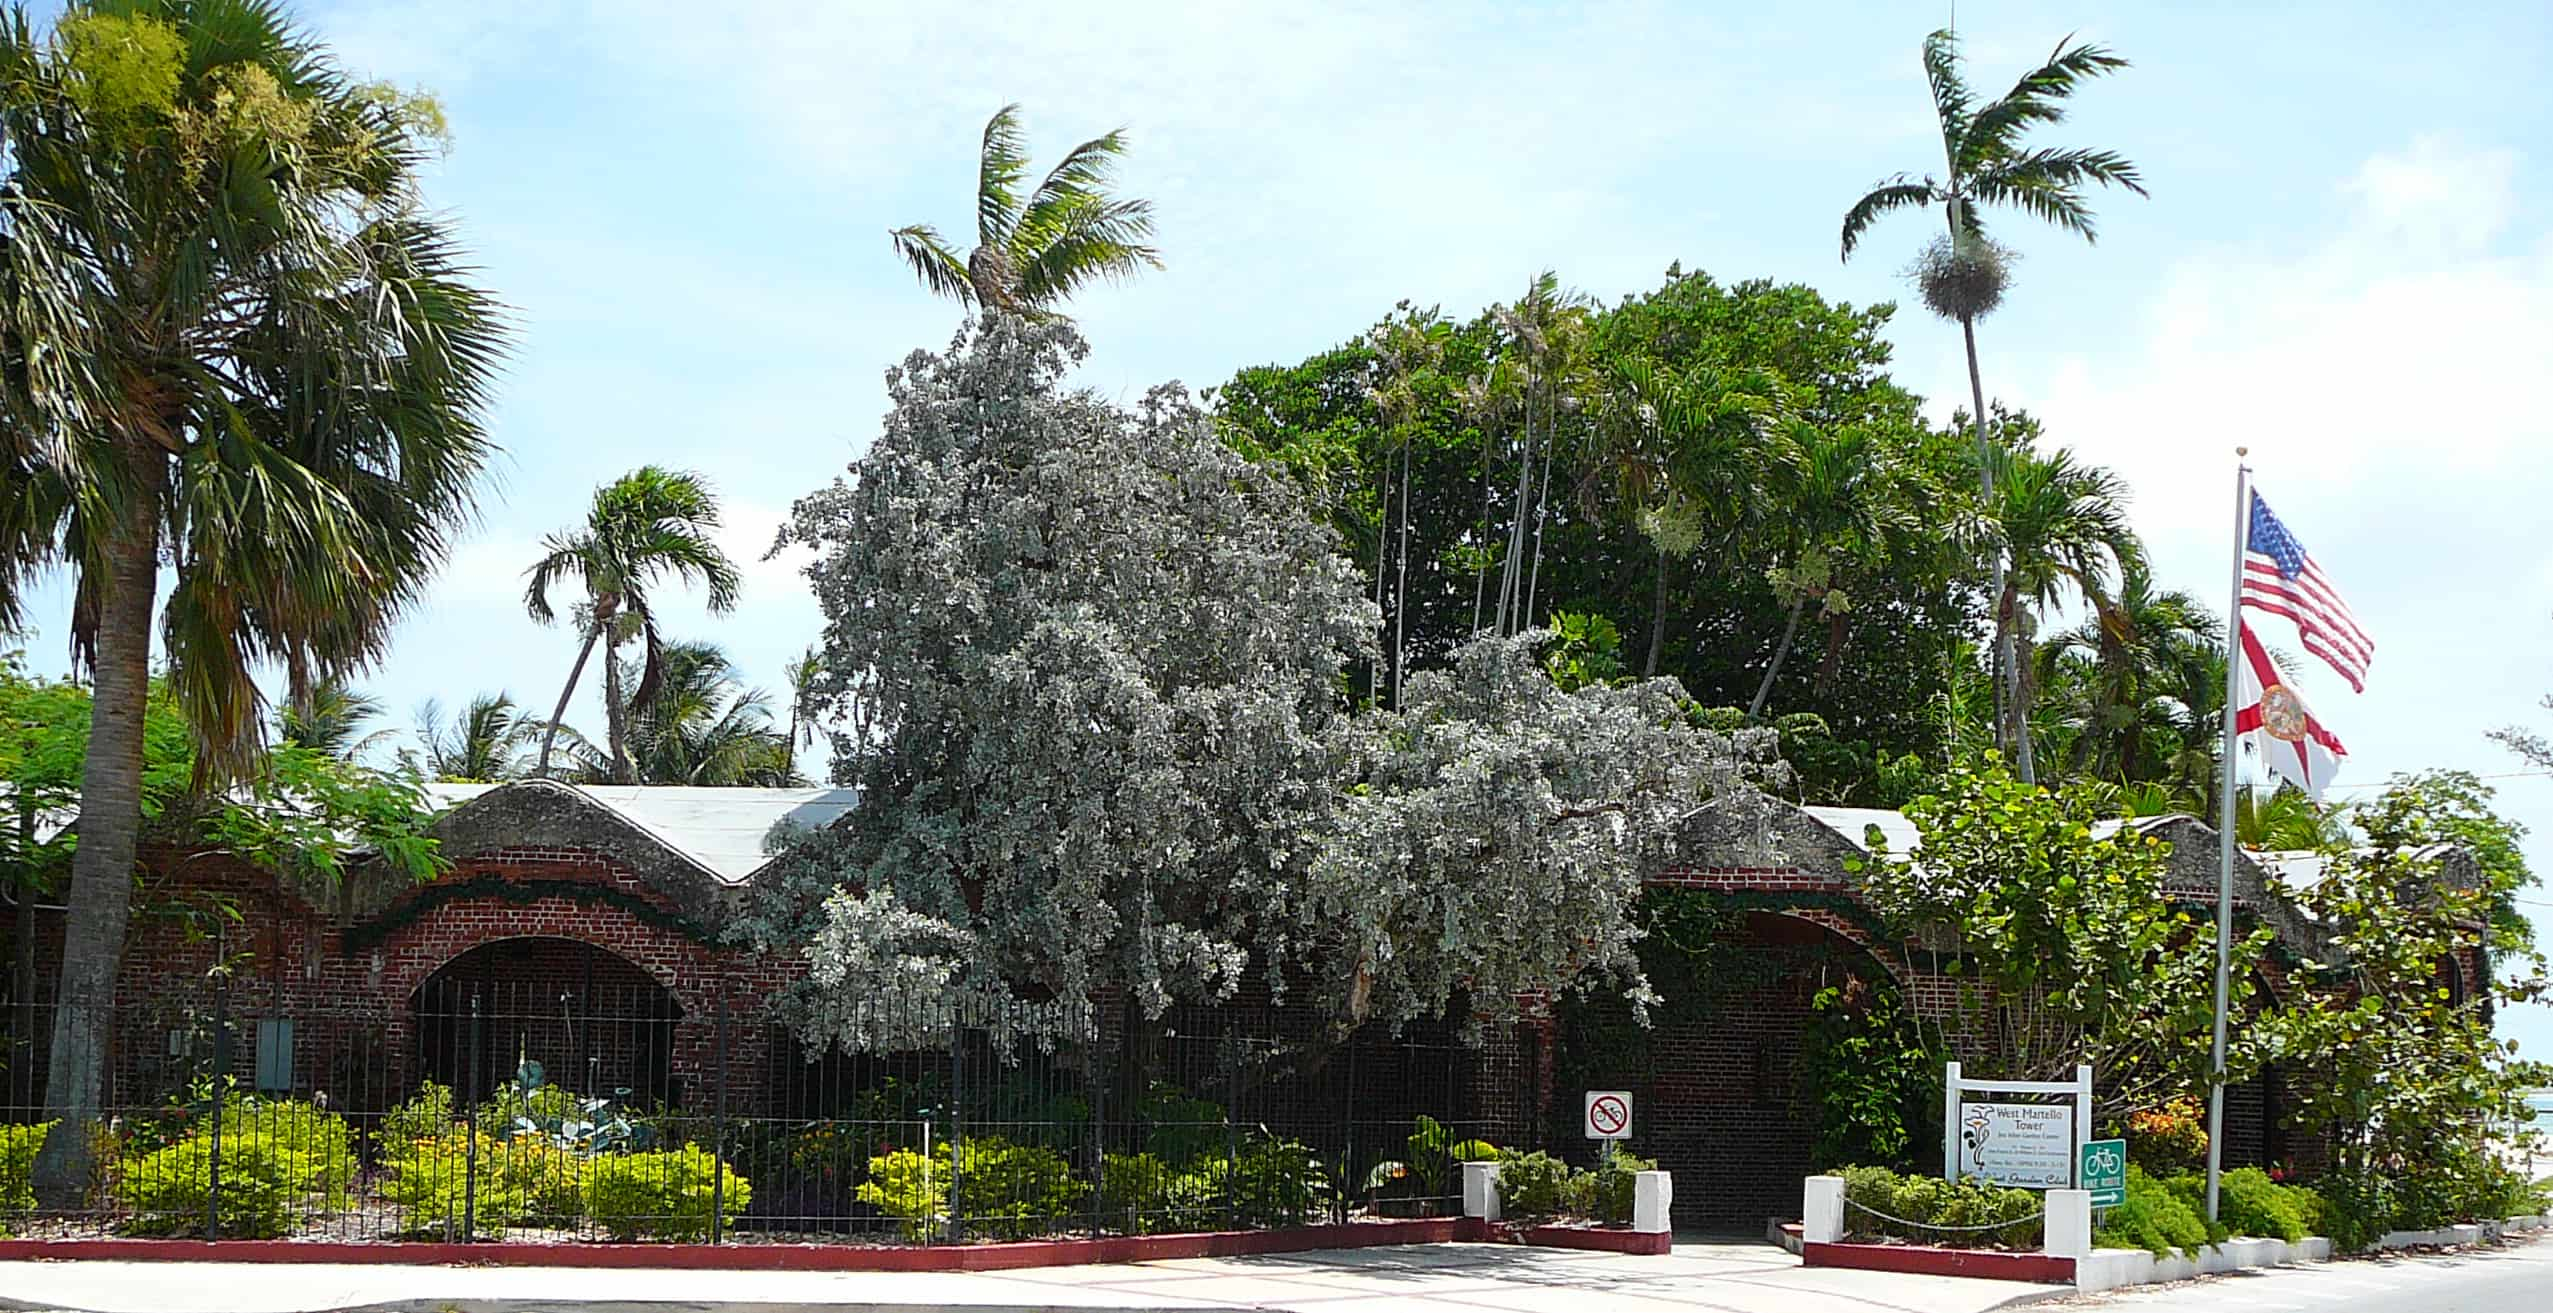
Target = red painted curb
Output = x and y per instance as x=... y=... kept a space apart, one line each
x=1606 y=1242
x=762 y=1257
x=1925 y=1261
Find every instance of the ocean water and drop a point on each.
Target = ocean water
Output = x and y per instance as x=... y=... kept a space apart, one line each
x=2542 y=1102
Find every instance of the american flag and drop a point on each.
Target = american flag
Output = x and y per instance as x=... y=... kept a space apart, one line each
x=2279 y=578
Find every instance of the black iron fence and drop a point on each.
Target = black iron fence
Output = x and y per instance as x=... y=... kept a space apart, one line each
x=587 y=1109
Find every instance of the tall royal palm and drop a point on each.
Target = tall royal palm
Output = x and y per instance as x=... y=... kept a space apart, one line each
x=1963 y=276
x=1032 y=253
x=644 y=526
x=232 y=333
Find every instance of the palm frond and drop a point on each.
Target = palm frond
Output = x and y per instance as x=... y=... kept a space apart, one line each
x=2038 y=97
x=1003 y=162
x=1894 y=194
x=937 y=267
x=1950 y=96
x=1095 y=240
x=1085 y=171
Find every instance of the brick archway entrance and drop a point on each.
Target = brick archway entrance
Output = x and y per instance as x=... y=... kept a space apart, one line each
x=593 y=1021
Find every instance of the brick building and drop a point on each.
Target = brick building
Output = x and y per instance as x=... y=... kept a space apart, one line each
x=581 y=928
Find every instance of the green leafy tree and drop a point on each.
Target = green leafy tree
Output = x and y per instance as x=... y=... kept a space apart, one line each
x=2066 y=948
x=482 y=743
x=2412 y=1083
x=1986 y=164
x=1033 y=252
x=704 y=727
x=649 y=524
x=240 y=344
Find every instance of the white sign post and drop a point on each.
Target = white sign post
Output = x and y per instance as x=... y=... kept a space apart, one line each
x=2034 y=1145
x=1608 y=1114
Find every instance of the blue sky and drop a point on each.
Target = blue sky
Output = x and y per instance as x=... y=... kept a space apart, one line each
x=2347 y=262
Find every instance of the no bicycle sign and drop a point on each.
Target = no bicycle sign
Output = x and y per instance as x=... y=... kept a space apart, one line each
x=1608 y=1114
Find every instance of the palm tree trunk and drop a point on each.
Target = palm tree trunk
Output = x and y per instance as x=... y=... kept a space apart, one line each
x=1542 y=512
x=615 y=712
x=1480 y=576
x=1764 y=688
x=1837 y=628
x=1382 y=546
x=1400 y=589
x=1511 y=580
x=1657 y=616
x=2010 y=726
x=110 y=834
x=549 y=735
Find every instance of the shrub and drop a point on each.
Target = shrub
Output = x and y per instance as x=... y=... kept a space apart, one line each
x=1142 y=1195
x=424 y=1116
x=2251 y=1204
x=1614 y=1184
x=550 y=1176
x=1929 y=1210
x=1536 y=1185
x=263 y=1185
x=432 y=1181
x=18 y=1145
x=2168 y=1140
x=664 y=1195
x=303 y=1128
x=2154 y=1218
x=1008 y=1189
x=1185 y=1130
x=1277 y=1183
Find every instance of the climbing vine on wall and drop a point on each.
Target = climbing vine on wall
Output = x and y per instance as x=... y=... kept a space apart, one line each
x=1867 y=1083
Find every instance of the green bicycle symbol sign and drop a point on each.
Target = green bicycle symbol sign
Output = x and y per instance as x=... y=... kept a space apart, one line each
x=2103 y=1171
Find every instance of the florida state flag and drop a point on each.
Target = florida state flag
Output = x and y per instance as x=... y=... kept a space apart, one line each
x=2295 y=746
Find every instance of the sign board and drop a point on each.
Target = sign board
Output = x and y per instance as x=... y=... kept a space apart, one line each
x=1608 y=1114
x=2104 y=1172
x=2025 y=1144
x=2034 y=1141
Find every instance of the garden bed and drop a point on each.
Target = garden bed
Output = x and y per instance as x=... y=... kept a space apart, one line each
x=1930 y=1260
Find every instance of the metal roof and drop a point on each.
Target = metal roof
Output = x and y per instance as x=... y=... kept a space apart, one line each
x=720 y=829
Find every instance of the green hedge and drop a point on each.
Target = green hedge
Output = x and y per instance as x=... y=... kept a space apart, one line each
x=663 y=1195
x=2155 y=1217
x=18 y=1145
x=265 y=1186
x=1880 y=1204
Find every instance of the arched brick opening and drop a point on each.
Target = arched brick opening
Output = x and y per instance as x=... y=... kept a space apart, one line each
x=593 y=1021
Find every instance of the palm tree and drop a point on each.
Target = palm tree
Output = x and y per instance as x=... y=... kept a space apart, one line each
x=647 y=524
x=1985 y=164
x=2062 y=526
x=2135 y=660
x=330 y=717
x=1690 y=456
x=482 y=744
x=1841 y=506
x=1032 y=255
x=233 y=335
x=1544 y=365
x=703 y=728
x=802 y=675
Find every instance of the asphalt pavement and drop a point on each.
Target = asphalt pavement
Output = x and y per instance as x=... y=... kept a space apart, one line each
x=2515 y=1279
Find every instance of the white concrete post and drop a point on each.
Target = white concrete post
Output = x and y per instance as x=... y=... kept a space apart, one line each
x=1652 y=1196
x=1480 y=1191
x=2069 y=1224
x=1822 y=1211
x=1950 y=1122
x=2082 y=1117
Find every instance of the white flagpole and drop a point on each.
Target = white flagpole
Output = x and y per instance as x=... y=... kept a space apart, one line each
x=2225 y=829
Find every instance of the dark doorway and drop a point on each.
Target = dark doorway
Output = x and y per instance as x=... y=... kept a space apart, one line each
x=594 y=1022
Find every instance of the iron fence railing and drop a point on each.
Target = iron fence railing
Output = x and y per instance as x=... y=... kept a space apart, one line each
x=589 y=1110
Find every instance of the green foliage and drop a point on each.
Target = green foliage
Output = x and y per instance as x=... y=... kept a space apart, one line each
x=17 y=1158
x=1880 y=1203
x=662 y=1195
x=1538 y=1185
x=2154 y=1218
x=1613 y=1186
x=2069 y=951
x=2169 y=1139
x=422 y=1115
x=1273 y=1183
x=1868 y=1081
x=266 y=1186
x=291 y=1124
x=1585 y=649
x=1142 y=1195
x=124 y=68
x=2249 y=1203
x=431 y=1180
x=1006 y=1190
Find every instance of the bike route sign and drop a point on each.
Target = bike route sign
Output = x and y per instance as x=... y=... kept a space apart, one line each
x=2104 y=1172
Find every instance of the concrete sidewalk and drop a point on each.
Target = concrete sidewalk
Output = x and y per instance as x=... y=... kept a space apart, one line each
x=1731 y=1277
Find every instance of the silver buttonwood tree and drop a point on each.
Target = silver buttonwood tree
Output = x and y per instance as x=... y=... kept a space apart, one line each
x=1090 y=671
